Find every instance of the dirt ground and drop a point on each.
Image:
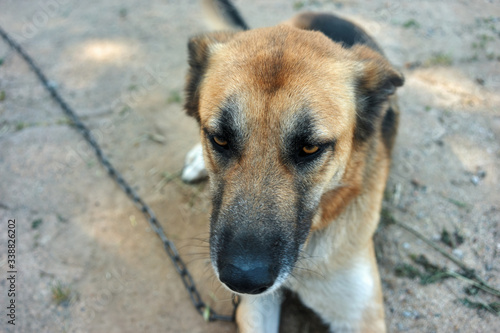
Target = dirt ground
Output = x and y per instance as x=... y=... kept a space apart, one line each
x=87 y=260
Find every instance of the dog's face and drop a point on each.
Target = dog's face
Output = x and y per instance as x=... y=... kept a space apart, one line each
x=279 y=112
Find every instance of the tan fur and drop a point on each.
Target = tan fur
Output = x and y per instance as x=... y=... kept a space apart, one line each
x=271 y=75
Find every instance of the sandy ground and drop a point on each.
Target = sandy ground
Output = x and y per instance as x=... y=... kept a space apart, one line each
x=121 y=65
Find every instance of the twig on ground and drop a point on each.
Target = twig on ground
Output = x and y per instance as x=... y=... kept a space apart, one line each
x=472 y=276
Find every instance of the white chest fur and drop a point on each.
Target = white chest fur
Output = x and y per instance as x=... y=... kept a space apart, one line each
x=338 y=289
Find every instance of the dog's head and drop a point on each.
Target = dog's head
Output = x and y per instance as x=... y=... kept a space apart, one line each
x=281 y=111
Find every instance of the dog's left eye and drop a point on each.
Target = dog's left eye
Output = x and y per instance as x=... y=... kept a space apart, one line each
x=309 y=151
x=220 y=141
x=306 y=153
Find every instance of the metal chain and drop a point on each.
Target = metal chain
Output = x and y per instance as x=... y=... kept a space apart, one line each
x=179 y=264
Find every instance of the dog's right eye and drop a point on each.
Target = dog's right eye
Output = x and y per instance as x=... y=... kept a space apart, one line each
x=219 y=143
x=310 y=149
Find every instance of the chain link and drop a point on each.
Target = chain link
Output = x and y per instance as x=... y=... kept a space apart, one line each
x=179 y=264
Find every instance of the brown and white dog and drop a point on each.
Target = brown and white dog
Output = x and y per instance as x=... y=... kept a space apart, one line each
x=297 y=125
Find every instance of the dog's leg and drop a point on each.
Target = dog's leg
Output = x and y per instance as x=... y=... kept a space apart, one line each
x=194 y=166
x=259 y=314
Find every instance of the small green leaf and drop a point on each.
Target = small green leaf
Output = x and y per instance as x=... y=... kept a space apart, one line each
x=206 y=313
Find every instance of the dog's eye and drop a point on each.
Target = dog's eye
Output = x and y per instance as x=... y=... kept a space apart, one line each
x=221 y=142
x=310 y=149
x=307 y=152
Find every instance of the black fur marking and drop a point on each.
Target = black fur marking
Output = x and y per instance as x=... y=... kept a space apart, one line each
x=199 y=54
x=369 y=106
x=368 y=111
x=341 y=31
x=389 y=128
x=304 y=215
x=197 y=67
x=227 y=130
x=304 y=135
x=217 y=201
x=232 y=14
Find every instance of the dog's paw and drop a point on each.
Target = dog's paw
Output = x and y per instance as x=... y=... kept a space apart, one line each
x=194 y=166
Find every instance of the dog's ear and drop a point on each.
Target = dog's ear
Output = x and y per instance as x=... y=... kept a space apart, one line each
x=376 y=80
x=200 y=49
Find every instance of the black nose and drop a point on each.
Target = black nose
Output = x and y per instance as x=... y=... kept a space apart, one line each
x=247 y=275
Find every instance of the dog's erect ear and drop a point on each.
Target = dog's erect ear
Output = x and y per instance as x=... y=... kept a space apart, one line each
x=200 y=49
x=376 y=81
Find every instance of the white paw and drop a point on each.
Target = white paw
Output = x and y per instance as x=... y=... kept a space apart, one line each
x=194 y=166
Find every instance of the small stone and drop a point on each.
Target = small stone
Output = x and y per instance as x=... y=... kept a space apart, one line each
x=156 y=138
x=480 y=174
x=52 y=84
x=408 y=314
x=416 y=182
x=406 y=246
x=458 y=253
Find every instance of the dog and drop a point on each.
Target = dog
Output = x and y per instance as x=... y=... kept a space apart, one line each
x=297 y=124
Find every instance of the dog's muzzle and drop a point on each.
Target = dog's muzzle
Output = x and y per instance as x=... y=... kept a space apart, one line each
x=247 y=266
